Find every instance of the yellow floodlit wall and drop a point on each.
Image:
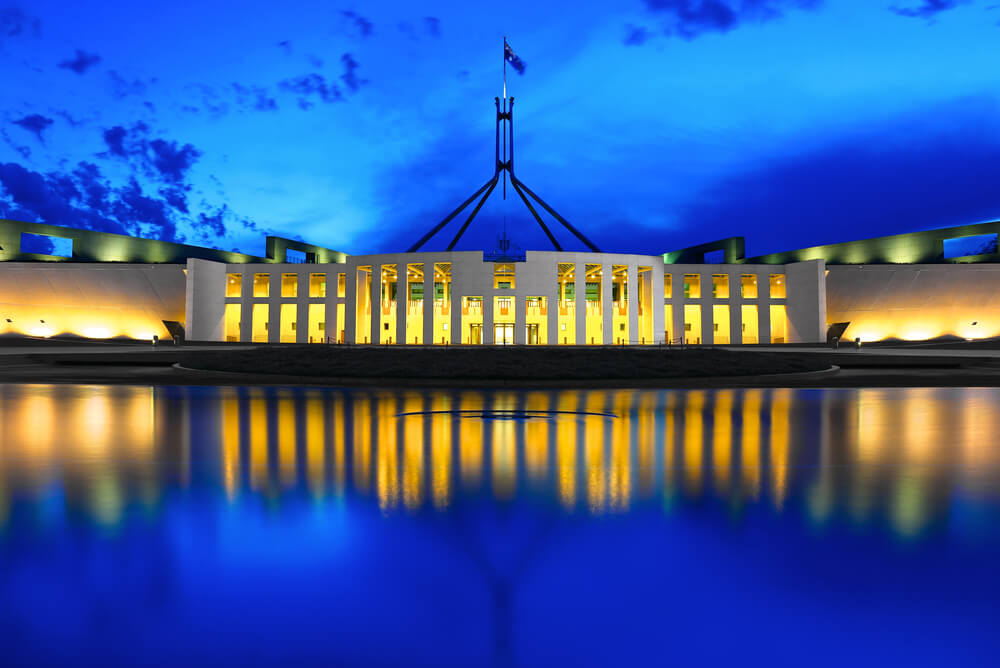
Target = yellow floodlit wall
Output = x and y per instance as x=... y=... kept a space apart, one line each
x=90 y=300
x=915 y=302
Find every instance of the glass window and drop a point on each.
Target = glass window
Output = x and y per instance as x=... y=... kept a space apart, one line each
x=748 y=286
x=777 y=286
x=317 y=285
x=692 y=286
x=503 y=276
x=289 y=285
x=341 y=285
x=233 y=285
x=720 y=286
x=668 y=286
x=261 y=285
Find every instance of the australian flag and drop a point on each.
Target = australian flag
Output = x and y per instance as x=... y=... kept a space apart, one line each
x=512 y=58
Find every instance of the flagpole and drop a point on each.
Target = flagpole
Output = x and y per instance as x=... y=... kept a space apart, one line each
x=505 y=111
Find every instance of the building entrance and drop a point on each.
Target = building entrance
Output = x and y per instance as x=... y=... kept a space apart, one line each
x=532 y=335
x=475 y=334
x=503 y=334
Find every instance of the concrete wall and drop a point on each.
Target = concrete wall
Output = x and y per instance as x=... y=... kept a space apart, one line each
x=205 y=300
x=915 y=302
x=95 y=300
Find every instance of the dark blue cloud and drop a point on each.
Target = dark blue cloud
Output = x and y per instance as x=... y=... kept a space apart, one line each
x=690 y=18
x=360 y=24
x=635 y=35
x=310 y=86
x=122 y=87
x=36 y=124
x=163 y=159
x=14 y=23
x=432 y=25
x=171 y=160
x=349 y=77
x=255 y=97
x=927 y=9
x=82 y=62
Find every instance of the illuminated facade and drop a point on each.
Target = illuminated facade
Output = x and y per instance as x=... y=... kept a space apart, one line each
x=909 y=287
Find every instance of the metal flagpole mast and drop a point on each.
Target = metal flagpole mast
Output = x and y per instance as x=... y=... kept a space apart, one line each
x=505 y=111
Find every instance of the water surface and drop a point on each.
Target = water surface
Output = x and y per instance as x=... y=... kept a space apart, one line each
x=176 y=525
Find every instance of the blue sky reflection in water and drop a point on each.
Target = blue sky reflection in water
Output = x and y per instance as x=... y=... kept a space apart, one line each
x=784 y=527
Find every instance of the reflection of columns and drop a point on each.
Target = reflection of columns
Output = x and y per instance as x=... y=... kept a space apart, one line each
x=722 y=440
x=315 y=444
x=594 y=427
x=536 y=439
x=620 y=474
x=413 y=453
x=566 y=439
x=694 y=435
x=441 y=425
x=780 y=402
x=286 y=441
x=646 y=443
x=750 y=445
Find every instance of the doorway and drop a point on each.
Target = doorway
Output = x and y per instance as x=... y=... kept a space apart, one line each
x=503 y=334
x=532 y=335
x=475 y=334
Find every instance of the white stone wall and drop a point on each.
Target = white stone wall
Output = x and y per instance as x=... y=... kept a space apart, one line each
x=536 y=276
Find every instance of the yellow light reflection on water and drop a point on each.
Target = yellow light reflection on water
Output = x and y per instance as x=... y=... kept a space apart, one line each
x=893 y=457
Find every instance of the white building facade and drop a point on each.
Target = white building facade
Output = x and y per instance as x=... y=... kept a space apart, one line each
x=548 y=298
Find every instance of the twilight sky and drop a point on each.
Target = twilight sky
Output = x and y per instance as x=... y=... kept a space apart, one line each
x=649 y=124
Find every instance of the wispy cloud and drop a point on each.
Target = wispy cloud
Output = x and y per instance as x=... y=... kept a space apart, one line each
x=81 y=62
x=36 y=124
x=927 y=9
x=360 y=24
x=689 y=19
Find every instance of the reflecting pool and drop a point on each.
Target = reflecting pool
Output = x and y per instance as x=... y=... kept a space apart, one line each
x=199 y=525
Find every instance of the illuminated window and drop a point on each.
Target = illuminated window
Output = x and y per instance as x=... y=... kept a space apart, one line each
x=232 y=322
x=720 y=286
x=233 y=285
x=288 y=317
x=748 y=286
x=668 y=286
x=289 y=285
x=261 y=285
x=317 y=285
x=777 y=287
x=341 y=285
x=779 y=323
x=692 y=286
x=503 y=276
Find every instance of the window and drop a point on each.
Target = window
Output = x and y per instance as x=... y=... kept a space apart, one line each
x=720 y=286
x=777 y=287
x=748 y=286
x=341 y=285
x=289 y=285
x=43 y=244
x=293 y=256
x=980 y=244
x=503 y=276
x=692 y=286
x=667 y=286
x=317 y=285
x=234 y=285
x=261 y=285
x=779 y=323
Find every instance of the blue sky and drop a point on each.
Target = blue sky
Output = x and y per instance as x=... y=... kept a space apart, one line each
x=649 y=124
